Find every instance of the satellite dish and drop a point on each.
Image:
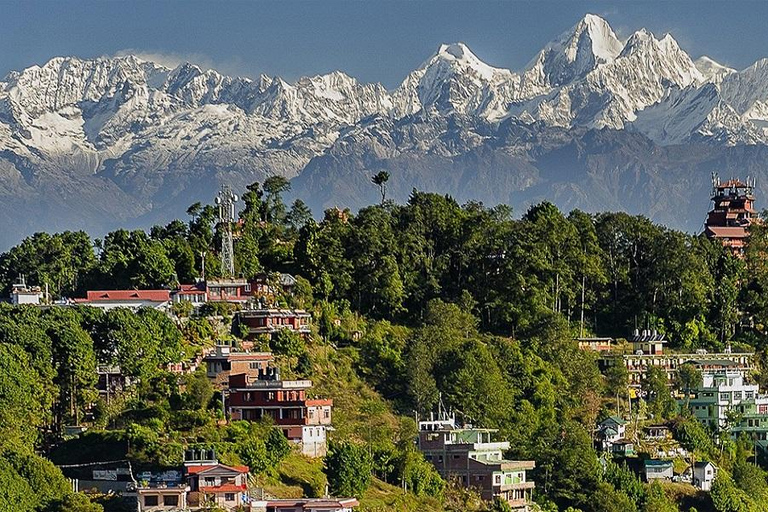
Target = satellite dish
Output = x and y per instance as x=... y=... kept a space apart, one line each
x=218 y=200
x=235 y=198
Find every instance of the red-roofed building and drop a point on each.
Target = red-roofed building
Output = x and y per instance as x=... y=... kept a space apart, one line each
x=193 y=293
x=214 y=484
x=305 y=505
x=732 y=213
x=131 y=299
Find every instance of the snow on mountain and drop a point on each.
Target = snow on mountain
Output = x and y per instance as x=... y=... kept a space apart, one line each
x=611 y=94
x=695 y=113
x=712 y=71
x=116 y=130
x=576 y=52
x=454 y=80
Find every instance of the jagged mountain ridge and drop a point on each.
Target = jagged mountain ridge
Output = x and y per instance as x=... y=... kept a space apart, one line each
x=107 y=142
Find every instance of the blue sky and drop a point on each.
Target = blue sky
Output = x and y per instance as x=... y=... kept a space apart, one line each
x=373 y=41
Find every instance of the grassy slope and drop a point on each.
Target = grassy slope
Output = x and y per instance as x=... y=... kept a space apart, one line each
x=359 y=413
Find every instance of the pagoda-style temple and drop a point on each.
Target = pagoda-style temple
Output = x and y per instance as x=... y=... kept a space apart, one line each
x=732 y=213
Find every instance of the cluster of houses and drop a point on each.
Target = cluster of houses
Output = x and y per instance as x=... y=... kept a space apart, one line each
x=252 y=389
x=647 y=351
x=612 y=439
x=723 y=388
x=724 y=385
x=202 y=483
x=250 y=294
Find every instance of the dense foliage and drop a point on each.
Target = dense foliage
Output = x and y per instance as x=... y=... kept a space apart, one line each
x=430 y=303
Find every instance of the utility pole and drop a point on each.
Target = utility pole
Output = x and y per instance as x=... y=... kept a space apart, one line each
x=226 y=201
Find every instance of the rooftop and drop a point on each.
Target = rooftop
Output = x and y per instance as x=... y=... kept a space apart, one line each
x=126 y=295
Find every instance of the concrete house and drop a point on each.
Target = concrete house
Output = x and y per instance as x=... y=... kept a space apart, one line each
x=609 y=431
x=657 y=470
x=471 y=458
x=704 y=474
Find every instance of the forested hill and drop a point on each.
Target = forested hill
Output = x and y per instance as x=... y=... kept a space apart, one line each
x=389 y=260
x=414 y=303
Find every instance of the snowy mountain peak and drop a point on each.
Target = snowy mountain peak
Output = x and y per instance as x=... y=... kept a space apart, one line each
x=454 y=80
x=573 y=54
x=643 y=40
x=460 y=58
x=604 y=43
x=711 y=70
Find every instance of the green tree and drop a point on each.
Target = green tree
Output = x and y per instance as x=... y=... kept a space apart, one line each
x=287 y=342
x=726 y=497
x=617 y=381
x=23 y=404
x=656 y=389
x=348 y=467
x=657 y=501
x=687 y=378
x=380 y=179
x=419 y=476
x=61 y=261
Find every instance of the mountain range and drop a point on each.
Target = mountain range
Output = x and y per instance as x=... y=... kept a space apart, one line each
x=592 y=122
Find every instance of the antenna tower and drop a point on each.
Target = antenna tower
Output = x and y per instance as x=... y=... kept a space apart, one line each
x=226 y=201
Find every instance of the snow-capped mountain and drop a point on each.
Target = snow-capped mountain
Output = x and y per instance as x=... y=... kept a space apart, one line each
x=112 y=141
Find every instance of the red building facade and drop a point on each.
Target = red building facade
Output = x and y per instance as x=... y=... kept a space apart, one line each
x=732 y=213
x=303 y=420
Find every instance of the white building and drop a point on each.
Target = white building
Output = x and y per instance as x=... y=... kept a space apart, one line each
x=704 y=474
x=723 y=390
x=23 y=294
x=611 y=430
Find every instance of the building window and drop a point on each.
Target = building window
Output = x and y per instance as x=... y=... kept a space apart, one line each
x=230 y=496
x=150 y=501
x=255 y=366
x=327 y=413
x=171 y=501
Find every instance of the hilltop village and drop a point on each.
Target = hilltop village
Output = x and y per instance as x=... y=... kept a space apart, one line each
x=426 y=356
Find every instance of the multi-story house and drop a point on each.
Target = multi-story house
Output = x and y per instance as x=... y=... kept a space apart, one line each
x=23 y=294
x=196 y=294
x=212 y=484
x=470 y=457
x=228 y=290
x=270 y=320
x=610 y=431
x=637 y=364
x=595 y=344
x=156 y=496
x=223 y=362
x=724 y=400
x=724 y=390
x=304 y=420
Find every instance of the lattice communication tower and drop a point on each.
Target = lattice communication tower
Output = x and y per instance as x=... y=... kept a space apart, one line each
x=226 y=201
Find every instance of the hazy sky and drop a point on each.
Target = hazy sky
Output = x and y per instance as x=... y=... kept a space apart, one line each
x=373 y=41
